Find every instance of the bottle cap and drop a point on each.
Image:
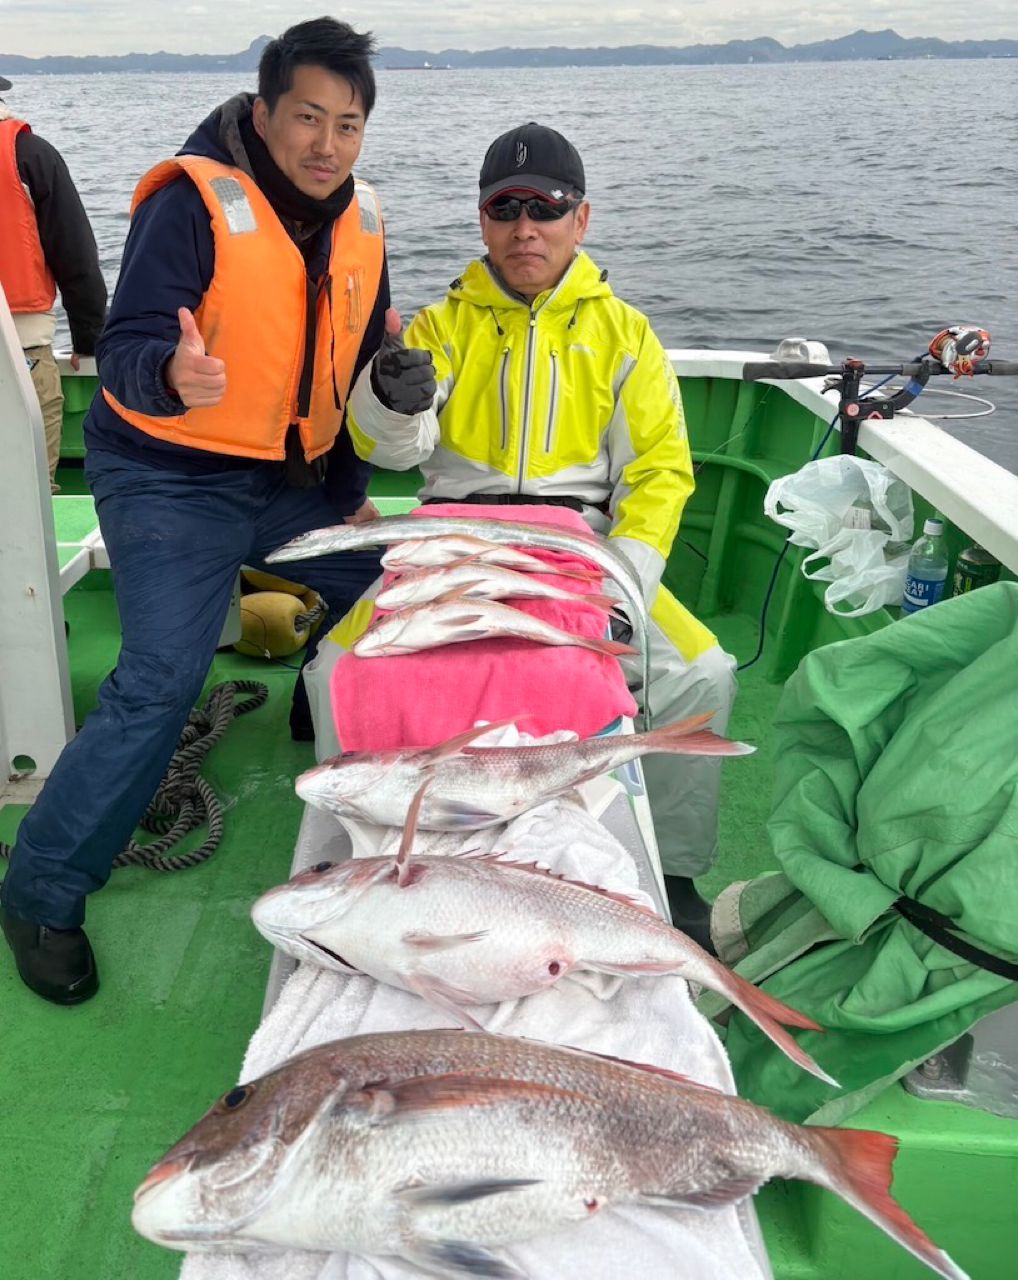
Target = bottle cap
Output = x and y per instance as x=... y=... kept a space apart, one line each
x=933 y=526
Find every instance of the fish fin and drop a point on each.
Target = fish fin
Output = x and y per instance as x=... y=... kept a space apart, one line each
x=858 y=1166
x=651 y=1069
x=441 y=942
x=636 y=969
x=462 y=593
x=443 y=995
x=462 y=1192
x=688 y=737
x=406 y=844
x=728 y=1191
x=473 y=558
x=450 y=1258
x=453 y=746
x=454 y=814
x=768 y=1014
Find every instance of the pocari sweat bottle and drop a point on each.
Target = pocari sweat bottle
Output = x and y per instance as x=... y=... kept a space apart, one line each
x=926 y=575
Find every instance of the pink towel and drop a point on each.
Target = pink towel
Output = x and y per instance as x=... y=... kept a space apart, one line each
x=420 y=699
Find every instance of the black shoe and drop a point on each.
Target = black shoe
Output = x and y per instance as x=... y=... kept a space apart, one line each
x=302 y=727
x=690 y=912
x=57 y=964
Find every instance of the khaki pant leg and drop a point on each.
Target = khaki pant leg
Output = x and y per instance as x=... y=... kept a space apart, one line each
x=46 y=378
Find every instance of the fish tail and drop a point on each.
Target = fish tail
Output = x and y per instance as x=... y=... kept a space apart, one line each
x=858 y=1166
x=689 y=737
x=585 y=575
x=769 y=1014
x=602 y=602
x=613 y=648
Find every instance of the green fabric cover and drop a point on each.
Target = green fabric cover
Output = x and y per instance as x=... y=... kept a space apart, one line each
x=896 y=774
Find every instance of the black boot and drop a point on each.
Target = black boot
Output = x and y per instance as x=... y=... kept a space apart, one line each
x=57 y=964
x=690 y=912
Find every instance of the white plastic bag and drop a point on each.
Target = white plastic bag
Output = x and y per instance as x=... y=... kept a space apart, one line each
x=858 y=518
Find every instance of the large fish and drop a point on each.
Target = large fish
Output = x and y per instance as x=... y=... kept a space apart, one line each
x=472 y=929
x=457 y=620
x=477 y=580
x=389 y=529
x=469 y=788
x=442 y=1148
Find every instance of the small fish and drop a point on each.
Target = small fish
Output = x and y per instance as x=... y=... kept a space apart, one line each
x=473 y=929
x=442 y=1149
x=437 y=553
x=457 y=620
x=390 y=529
x=475 y=578
x=469 y=788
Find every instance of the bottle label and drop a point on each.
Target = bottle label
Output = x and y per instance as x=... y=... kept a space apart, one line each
x=970 y=574
x=857 y=518
x=920 y=593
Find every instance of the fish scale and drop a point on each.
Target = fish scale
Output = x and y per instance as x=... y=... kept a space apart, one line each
x=474 y=929
x=470 y=788
x=442 y=1148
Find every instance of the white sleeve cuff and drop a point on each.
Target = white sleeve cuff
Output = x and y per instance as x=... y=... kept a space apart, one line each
x=401 y=441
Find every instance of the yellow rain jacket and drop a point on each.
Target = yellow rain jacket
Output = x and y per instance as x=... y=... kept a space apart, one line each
x=571 y=395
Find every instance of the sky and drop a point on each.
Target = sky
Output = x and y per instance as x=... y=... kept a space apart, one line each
x=37 y=27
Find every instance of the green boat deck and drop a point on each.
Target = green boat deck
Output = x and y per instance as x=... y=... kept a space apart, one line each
x=91 y=1096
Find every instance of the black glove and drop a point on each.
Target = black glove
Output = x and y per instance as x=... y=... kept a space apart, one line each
x=403 y=377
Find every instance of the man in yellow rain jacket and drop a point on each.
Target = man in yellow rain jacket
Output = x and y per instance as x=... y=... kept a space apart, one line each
x=551 y=389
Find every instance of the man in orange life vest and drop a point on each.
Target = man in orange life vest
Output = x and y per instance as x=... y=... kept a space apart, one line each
x=46 y=243
x=253 y=290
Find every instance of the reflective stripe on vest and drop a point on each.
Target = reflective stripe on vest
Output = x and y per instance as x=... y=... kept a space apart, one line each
x=27 y=281
x=254 y=315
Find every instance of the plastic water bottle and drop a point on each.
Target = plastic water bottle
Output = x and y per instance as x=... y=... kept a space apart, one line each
x=926 y=575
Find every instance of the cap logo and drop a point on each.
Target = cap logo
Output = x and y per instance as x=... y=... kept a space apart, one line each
x=521 y=154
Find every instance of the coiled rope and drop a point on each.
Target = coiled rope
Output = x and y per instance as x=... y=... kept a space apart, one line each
x=185 y=800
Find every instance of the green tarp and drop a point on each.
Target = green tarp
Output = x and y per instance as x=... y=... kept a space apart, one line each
x=896 y=775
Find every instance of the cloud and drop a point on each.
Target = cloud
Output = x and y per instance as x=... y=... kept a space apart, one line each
x=37 y=27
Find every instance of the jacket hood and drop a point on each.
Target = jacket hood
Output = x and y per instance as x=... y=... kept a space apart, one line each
x=218 y=135
x=480 y=286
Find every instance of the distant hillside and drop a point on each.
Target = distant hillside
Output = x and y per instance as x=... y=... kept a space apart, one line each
x=867 y=45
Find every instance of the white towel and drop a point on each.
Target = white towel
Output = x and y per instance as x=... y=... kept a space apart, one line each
x=648 y=1020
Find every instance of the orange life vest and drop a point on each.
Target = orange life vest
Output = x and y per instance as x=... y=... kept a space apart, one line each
x=27 y=280
x=253 y=317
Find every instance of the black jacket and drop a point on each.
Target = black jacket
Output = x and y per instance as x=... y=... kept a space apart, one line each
x=67 y=240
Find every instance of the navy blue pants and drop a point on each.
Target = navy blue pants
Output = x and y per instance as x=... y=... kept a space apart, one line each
x=176 y=544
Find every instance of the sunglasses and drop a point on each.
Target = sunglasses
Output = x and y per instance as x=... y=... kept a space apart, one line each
x=509 y=208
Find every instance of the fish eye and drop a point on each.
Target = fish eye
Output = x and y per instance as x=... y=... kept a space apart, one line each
x=237 y=1097
x=319 y=867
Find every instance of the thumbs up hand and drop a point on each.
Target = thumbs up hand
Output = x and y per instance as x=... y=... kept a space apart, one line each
x=403 y=377
x=198 y=379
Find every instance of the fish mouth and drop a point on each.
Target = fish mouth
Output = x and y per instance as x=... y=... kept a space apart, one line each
x=160 y=1174
x=324 y=950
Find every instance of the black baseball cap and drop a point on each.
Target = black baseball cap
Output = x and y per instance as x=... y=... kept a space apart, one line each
x=5 y=84
x=531 y=158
